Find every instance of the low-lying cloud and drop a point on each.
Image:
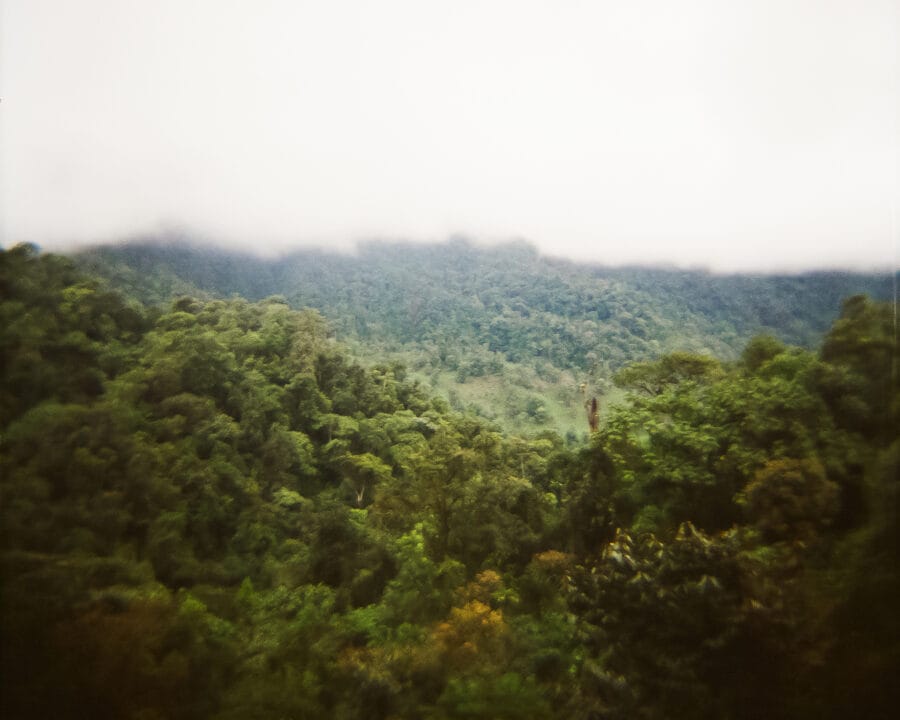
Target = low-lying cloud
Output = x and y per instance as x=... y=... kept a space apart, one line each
x=743 y=135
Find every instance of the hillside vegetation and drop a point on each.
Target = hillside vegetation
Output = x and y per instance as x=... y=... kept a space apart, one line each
x=517 y=338
x=210 y=510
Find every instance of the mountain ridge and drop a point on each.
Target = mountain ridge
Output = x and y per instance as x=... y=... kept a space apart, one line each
x=456 y=312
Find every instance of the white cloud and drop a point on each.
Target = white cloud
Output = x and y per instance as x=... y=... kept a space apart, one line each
x=751 y=133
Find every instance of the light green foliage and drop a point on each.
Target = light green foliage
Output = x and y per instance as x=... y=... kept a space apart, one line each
x=500 y=330
x=362 y=472
x=653 y=378
x=420 y=591
x=689 y=446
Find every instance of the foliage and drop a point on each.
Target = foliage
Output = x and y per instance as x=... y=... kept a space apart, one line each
x=209 y=510
x=500 y=331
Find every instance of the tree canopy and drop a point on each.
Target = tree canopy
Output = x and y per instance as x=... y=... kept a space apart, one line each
x=210 y=510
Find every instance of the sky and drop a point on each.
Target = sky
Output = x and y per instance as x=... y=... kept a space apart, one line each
x=728 y=134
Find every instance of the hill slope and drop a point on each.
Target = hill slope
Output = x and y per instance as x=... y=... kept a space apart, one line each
x=517 y=337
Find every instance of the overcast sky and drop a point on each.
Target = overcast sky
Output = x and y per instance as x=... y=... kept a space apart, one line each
x=735 y=134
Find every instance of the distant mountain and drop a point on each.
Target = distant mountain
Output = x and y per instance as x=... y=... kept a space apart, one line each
x=500 y=329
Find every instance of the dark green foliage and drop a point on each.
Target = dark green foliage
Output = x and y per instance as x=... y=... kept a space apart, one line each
x=60 y=334
x=863 y=344
x=210 y=511
x=790 y=499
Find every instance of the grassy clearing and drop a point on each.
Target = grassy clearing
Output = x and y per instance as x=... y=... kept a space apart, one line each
x=520 y=399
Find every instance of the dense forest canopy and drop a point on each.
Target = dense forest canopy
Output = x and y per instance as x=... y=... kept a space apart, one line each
x=499 y=331
x=210 y=510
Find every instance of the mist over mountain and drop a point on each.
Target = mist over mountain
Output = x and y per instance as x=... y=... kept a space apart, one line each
x=448 y=360
x=499 y=329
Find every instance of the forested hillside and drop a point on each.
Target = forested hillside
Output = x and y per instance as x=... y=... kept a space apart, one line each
x=210 y=510
x=500 y=331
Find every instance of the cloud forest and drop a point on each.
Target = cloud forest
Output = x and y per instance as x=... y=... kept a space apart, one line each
x=443 y=482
